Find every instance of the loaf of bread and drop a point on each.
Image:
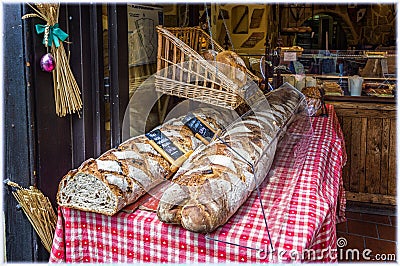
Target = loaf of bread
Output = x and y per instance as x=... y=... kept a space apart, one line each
x=314 y=100
x=217 y=179
x=378 y=89
x=301 y=29
x=120 y=176
x=233 y=66
x=332 y=88
x=209 y=55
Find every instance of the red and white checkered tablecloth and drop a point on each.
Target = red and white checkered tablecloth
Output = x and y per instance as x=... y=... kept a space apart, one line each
x=302 y=207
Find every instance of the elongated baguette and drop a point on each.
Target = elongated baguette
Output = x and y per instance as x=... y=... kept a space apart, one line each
x=120 y=176
x=216 y=180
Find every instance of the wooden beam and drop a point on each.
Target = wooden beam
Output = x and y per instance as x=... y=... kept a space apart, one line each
x=97 y=75
x=20 y=236
x=82 y=127
x=119 y=74
x=361 y=105
x=371 y=198
x=359 y=113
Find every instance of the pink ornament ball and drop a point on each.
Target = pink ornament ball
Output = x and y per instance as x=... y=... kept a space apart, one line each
x=47 y=62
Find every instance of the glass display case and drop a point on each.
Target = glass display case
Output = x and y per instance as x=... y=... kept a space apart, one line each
x=376 y=69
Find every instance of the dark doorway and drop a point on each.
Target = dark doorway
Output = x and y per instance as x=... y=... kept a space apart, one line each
x=328 y=32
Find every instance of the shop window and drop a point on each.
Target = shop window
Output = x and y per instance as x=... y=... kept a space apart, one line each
x=327 y=33
x=142 y=48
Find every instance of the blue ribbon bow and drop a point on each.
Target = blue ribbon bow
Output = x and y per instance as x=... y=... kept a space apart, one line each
x=55 y=34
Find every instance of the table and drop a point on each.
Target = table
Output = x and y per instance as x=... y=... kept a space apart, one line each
x=301 y=207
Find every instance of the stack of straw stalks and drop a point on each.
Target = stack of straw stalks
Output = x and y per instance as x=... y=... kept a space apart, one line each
x=39 y=211
x=66 y=90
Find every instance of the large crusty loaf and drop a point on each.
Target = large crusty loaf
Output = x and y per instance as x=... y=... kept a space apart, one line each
x=120 y=176
x=215 y=181
x=233 y=66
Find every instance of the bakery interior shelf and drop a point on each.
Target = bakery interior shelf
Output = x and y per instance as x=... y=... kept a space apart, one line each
x=346 y=77
x=336 y=77
x=377 y=89
x=346 y=56
x=365 y=99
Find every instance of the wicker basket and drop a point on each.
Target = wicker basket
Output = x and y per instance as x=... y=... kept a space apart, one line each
x=183 y=72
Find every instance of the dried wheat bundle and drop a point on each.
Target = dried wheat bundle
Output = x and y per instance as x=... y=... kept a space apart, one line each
x=66 y=91
x=39 y=211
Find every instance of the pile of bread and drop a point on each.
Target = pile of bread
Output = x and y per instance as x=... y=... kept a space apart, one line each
x=378 y=89
x=217 y=179
x=313 y=99
x=332 y=88
x=301 y=29
x=229 y=63
x=122 y=175
x=210 y=185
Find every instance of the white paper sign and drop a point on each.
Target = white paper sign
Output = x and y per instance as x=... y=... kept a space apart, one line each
x=289 y=56
x=384 y=64
x=142 y=34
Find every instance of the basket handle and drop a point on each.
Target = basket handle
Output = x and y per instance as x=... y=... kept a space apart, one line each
x=192 y=53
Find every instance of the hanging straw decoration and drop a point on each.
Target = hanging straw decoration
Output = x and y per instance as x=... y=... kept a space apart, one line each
x=66 y=91
x=39 y=211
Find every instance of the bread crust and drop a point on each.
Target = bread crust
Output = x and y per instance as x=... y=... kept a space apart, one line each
x=215 y=181
x=233 y=66
x=120 y=176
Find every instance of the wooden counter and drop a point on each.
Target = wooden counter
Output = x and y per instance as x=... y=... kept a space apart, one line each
x=369 y=129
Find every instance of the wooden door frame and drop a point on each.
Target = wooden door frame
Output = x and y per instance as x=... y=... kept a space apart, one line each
x=40 y=147
x=19 y=146
x=119 y=73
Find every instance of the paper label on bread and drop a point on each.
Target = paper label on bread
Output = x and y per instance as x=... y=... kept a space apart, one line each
x=200 y=128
